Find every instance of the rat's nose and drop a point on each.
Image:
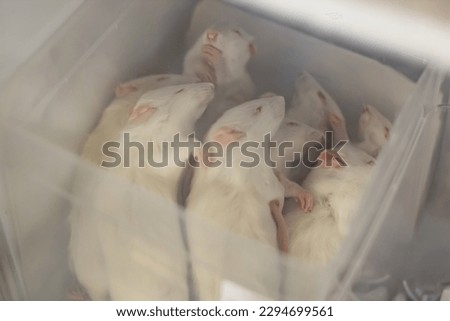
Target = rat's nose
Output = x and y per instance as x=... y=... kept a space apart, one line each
x=276 y=104
x=205 y=91
x=303 y=77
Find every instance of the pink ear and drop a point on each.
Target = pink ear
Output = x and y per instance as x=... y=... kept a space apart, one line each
x=124 y=89
x=211 y=35
x=335 y=120
x=366 y=108
x=141 y=112
x=328 y=160
x=365 y=117
x=226 y=135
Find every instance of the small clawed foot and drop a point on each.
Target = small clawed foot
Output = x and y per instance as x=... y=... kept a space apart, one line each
x=305 y=200
x=211 y=54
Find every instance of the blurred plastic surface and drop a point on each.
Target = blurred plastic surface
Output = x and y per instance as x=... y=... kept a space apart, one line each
x=27 y=24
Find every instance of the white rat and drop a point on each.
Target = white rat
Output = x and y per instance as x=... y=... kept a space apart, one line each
x=234 y=199
x=337 y=185
x=299 y=135
x=312 y=105
x=109 y=249
x=374 y=130
x=220 y=55
x=115 y=116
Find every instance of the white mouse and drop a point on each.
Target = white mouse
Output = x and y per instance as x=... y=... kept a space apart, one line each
x=312 y=105
x=337 y=186
x=115 y=115
x=235 y=200
x=226 y=50
x=300 y=136
x=137 y=247
x=220 y=55
x=374 y=130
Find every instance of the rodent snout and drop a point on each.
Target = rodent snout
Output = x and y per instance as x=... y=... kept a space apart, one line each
x=276 y=104
x=205 y=91
x=302 y=78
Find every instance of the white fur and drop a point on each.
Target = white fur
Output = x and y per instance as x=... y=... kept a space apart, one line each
x=301 y=136
x=233 y=82
x=374 y=130
x=298 y=134
x=316 y=237
x=307 y=106
x=235 y=53
x=234 y=199
x=115 y=116
x=119 y=260
x=352 y=155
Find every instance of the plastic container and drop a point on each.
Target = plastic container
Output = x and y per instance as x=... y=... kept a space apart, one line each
x=55 y=98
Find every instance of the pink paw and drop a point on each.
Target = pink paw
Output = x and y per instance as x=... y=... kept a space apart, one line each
x=207 y=74
x=305 y=200
x=211 y=54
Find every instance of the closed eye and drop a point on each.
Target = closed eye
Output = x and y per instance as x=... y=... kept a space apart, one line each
x=179 y=91
x=258 y=110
